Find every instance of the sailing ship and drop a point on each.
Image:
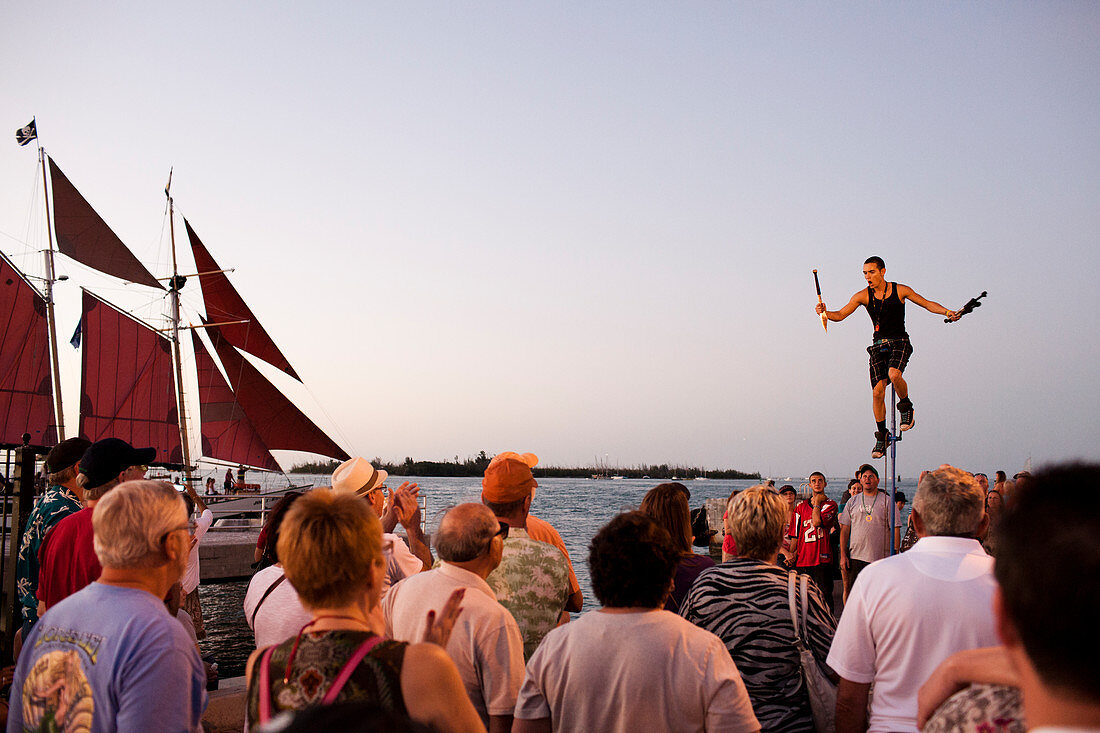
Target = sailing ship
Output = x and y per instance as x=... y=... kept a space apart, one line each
x=132 y=383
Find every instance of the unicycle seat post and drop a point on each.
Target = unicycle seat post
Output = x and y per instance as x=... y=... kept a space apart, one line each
x=892 y=439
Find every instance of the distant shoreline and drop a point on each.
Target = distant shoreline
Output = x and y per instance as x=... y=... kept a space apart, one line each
x=476 y=467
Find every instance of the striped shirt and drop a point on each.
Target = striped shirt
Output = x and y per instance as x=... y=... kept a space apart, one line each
x=744 y=602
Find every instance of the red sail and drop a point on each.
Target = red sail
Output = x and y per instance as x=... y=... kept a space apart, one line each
x=127 y=389
x=26 y=391
x=84 y=236
x=224 y=303
x=280 y=424
x=227 y=434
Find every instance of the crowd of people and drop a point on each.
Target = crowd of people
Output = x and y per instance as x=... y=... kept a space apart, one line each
x=473 y=629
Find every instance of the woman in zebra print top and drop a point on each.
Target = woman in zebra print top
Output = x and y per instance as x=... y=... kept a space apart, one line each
x=744 y=602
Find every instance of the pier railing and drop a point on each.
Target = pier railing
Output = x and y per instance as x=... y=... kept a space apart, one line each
x=18 y=498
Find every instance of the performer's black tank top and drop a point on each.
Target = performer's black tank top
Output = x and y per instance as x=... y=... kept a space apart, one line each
x=888 y=315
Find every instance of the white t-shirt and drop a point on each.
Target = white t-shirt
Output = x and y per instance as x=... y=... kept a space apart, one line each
x=400 y=561
x=485 y=644
x=908 y=613
x=190 y=580
x=635 y=671
x=281 y=616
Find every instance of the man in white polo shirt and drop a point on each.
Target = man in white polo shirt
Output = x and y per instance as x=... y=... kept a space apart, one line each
x=485 y=643
x=909 y=612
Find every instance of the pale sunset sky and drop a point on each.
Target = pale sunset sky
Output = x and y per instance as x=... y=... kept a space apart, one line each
x=588 y=229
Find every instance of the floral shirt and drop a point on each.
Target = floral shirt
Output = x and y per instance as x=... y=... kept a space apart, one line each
x=57 y=503
x=532 y=582
x=320 y=658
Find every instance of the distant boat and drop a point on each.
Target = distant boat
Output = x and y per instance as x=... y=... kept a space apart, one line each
x=132 y=379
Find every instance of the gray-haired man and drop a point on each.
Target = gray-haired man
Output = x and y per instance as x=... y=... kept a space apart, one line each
x=109 y=657
x=485 y=644
x=909 y=612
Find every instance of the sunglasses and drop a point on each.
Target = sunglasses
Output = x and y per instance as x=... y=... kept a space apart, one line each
x=502 y=533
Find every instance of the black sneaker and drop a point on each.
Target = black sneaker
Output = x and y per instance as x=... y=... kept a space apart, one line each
x=907 y=421
x=880 y=445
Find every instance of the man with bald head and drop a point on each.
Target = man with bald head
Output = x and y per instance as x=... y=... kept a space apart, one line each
x=485 y=644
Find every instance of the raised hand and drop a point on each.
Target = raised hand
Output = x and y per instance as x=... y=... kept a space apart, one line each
x=407 y=504
x=437 y=630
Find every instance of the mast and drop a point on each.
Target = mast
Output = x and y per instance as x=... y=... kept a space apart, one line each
x=51 y=327
x=175 y=284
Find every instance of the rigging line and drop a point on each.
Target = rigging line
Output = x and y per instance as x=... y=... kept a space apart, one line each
x=31 y=250
x=331 y=422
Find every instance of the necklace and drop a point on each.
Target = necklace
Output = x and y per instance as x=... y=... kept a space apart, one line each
x=298 y=639
x=879 y=304
x=866 y=511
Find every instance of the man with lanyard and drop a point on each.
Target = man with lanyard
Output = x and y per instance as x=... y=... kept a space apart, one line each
x=890 y=352
x=864 y=528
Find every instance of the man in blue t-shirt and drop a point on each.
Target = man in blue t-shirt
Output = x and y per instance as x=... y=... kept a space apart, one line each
x=110 y=657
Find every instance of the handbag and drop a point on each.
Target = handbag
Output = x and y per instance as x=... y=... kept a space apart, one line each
x=820 y=688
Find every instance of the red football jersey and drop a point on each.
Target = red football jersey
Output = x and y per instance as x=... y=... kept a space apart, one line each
x=813 y=542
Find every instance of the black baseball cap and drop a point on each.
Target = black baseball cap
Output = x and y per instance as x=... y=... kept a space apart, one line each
x=786 y=488
x=106 y=459
x=65 y=454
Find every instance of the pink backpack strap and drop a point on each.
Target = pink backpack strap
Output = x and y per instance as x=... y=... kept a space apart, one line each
x=349 y=668
x=263 y=691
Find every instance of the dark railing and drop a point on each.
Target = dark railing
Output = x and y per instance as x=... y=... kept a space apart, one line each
x=18 y=492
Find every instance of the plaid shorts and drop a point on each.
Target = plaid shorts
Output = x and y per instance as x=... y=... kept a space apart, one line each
x=887 y=354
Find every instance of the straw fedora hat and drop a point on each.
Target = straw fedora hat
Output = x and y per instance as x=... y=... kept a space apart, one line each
x=357 y=476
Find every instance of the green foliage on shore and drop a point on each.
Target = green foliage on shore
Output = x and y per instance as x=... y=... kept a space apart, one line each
x=475 y=466
x=315 y=467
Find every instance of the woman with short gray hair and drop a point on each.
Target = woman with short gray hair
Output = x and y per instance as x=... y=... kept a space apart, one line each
x=745 y=602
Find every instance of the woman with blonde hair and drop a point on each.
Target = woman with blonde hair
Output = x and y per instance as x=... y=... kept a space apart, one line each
x=330 y=547
x=745 y=603
x=667 y=505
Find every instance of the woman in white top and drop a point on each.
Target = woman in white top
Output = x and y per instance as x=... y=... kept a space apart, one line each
x=271 y=605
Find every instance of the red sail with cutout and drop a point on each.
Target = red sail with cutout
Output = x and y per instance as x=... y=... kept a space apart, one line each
x=26 y=391
x=84 y=236
x=227 y=434
x=280 y=424
x=127 y=389
x=224 y=303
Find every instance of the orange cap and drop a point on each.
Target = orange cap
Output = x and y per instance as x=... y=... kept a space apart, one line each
x=508 y=477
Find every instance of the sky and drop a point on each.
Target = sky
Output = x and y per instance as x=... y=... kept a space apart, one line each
x=587 y=230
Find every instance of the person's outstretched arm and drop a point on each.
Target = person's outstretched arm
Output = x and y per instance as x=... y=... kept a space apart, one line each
x=857 y=300
x=907 y=293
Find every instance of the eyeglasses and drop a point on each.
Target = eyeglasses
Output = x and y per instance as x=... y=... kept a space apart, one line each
x=503 y=531
x=186 y=527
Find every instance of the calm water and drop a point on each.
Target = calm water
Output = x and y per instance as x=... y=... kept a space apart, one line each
x=576 y=507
